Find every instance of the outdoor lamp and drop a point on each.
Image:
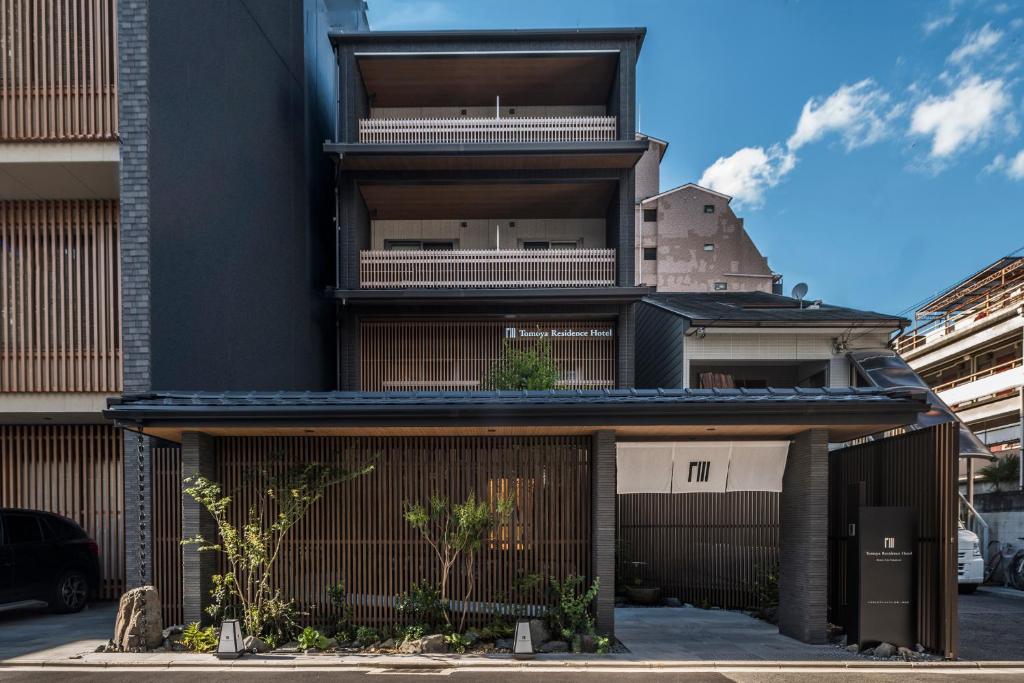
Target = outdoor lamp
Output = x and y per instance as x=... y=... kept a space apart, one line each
x=230 y=645
x=523 y=644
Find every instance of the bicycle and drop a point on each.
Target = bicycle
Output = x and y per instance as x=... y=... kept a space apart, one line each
x=1007 y=559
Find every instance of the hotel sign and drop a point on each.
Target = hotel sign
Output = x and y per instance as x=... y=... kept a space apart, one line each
x=882 y=607
x=557 y=333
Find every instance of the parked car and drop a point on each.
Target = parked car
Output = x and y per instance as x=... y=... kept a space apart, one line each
x=45 y=559
x=970 y=565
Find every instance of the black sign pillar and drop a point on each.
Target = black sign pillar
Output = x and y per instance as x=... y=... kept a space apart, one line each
x=882 y=607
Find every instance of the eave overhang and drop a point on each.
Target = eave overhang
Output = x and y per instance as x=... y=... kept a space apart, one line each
x=614 y=154
x=847 y=412
x=499 y=296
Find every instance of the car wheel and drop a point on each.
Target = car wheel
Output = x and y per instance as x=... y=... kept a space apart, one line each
x=967 y=587
x=70 y=593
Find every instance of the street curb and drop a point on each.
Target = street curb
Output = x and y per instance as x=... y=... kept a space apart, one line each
x=330 y=663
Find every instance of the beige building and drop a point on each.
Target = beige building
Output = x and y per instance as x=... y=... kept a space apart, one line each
x=689 y=239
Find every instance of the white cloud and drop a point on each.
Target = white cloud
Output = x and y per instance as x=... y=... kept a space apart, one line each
x=853 y=111
x=1001 y=8
x=1016 y=23
x=933 y=25
x=968 y=114
x=1013 y=166
x=388 y=15
x=976 y=43
x=748 y=173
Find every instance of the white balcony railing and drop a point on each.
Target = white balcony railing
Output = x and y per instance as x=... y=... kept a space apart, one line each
x=487 y=268
x=466 y=130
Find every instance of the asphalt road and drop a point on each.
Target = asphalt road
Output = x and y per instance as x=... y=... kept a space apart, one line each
x=492 y=677
x=992 y=626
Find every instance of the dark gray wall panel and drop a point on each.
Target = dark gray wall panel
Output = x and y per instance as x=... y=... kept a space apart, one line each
x=659 y=348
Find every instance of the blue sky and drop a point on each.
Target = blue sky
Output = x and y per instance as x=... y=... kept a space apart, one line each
x=873 y=148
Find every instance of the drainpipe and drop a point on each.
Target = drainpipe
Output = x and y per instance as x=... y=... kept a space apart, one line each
x=1020 y=411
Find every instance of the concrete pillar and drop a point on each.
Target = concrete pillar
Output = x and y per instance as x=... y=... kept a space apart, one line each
x=602 y=527
x=803 y=540
x=197 y=458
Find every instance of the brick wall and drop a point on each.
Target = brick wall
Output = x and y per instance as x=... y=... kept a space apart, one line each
x=803 y=539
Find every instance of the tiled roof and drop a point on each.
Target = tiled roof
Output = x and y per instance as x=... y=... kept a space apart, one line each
x=256 y=399
x=761 y=307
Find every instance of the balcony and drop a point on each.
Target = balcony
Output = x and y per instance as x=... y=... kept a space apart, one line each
x=437 y=131
x=487 y=268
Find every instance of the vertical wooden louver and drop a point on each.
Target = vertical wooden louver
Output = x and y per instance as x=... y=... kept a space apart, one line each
x=167 y=569
x=452 y=355
x=60 y=296
x=76 y=471
x=58 y=70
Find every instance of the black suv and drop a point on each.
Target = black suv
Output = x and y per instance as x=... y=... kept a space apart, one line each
x=45 y=557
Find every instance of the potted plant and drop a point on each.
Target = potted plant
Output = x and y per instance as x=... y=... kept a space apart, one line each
x=638 y=590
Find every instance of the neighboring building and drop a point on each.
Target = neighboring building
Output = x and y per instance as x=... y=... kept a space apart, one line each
x=266 y=322
x=752 y=340
x=966 y=343
x=689 y=240
x=60 y=345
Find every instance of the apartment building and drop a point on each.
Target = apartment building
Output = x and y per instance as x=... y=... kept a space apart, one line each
x=345 y=301
x=966 y=343
x=60 y=294
x=688 y=239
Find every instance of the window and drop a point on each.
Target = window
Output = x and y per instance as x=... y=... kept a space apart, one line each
x=419 y=245
x=20 y=528
x=650 y=215
x=650 y=253
x=63 y=529
x=709 y=247
x=721 y=286
x=548 y=244
x=709 y=208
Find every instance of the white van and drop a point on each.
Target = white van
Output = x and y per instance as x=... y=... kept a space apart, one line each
x=970 y=565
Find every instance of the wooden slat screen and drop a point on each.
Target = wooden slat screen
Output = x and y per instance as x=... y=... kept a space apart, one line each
x=58 y=70
x=60 y=296
x=75 y=471
x=167 y=568
x=451 y=355
x=699 y=547
x=357 y=532
x=918 y=470
x=475 y=130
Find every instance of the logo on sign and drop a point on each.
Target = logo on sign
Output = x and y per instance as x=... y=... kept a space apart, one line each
x=701 y=469
x=510 y=333
x=890 y=542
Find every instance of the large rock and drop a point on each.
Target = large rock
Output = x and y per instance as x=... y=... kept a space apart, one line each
x=254 y=644
x=138 y=626
x=885 y=650
x=433 y=644
x=504 y=643
x=539 y=632
x=554 y=646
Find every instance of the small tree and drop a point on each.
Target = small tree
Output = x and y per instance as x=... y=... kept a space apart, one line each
x=1002 y=471
x=524 y=368
x=251 y=551
x=453 y=529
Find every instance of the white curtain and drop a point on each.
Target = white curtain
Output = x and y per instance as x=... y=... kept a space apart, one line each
x=700 y=466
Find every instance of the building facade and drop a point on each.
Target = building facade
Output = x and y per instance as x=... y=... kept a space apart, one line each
x=60 y=347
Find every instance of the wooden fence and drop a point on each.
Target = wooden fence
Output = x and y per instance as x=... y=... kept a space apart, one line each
x=75 y=471
x=60 y=296
x=58 y=70
x=357 y=534
x=382 y=269
x=476 y=130
x=167 y=568
x=452 y=355
x=703 y=548
x=918 y=470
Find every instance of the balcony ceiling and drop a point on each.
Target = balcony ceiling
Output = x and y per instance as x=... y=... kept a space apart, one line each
x=578 y=199
x=473 y=80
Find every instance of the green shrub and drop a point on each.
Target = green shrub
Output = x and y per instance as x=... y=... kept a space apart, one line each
x=412 y=632
x=367 y=635
x=532 y=367
x=1002 y=471
x=570 y=613
x=198 y=639
x=422 y=603
x=497 y=629
x=311 y=639
x=603 y=643
x=457 y=642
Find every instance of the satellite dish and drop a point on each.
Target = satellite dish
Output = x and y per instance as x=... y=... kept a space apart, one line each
x=800 y=290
